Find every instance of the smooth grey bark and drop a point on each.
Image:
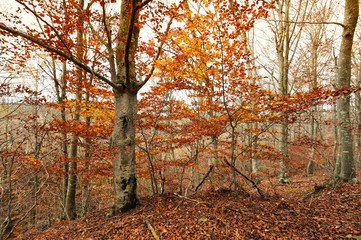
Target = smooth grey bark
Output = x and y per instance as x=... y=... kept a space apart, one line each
x=61 y=98
x=124 y=165
x=343 y=78
x=358 y=119
x=336 y=158
x=283 y=49
x=315 y=38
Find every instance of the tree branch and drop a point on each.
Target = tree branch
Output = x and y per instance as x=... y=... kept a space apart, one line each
x=303 y=22
x=60 y=53
x=205 y=177
x=152 y=230
x=129 y=41
x=244 y=176
x=141 y=5
x=49 y=25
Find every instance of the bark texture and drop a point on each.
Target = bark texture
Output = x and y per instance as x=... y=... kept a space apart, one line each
x=124 y=165
x=343 y=77
x=283 y=49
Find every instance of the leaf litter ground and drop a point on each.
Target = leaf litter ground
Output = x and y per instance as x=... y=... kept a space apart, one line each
x=288 y=212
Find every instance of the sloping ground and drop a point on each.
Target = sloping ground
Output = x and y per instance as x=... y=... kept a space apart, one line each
x=289 y=212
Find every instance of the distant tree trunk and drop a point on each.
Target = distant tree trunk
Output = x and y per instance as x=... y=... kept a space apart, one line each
x=336 y=158
x=252 y=72
x=343 y=77
x=314 y=60
x=287 y=36
x=358 y=117
x=61 y=96
x=283 y=50
x=86 y=188
x=70 y=204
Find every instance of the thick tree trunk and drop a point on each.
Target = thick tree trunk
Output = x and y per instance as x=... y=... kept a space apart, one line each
x=124 y=164
x=343 y=77
x=123 y=74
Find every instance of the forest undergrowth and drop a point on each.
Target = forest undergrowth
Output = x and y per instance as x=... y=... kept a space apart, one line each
x=295 y=211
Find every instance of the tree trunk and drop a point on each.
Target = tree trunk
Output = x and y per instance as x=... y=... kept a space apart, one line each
x=358 y=118
x=70 y=202
x=314 y=57
x=283 y=50
x=124 y=164
x=61 y=96
x=343 y=77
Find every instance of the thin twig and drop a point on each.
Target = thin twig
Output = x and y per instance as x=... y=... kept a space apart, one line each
x=303 y=22
x=193 y=200
x=20 y=220
x=154 y=233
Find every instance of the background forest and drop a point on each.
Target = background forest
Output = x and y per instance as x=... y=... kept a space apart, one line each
x=103 y=101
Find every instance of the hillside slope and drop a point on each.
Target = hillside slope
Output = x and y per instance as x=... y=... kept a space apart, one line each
x=288 y=212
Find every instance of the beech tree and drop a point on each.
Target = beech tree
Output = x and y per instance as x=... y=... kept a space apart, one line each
x=347 y=170
x=119 y=35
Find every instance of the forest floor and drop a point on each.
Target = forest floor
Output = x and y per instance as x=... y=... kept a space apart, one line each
x=291 y=211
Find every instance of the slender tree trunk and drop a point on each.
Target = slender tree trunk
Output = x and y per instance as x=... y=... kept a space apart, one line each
x=343 y=77
x=358 y=117
x=314 y=59
x=311 y=164
x=86 y=188
x=336 y=158
x=61 y=96
x=233 y=158
x=70 y=204
x=283 y=65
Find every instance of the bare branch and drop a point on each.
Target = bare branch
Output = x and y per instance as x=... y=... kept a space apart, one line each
x=303 y=22
x=106 y=26
x=154 y=233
